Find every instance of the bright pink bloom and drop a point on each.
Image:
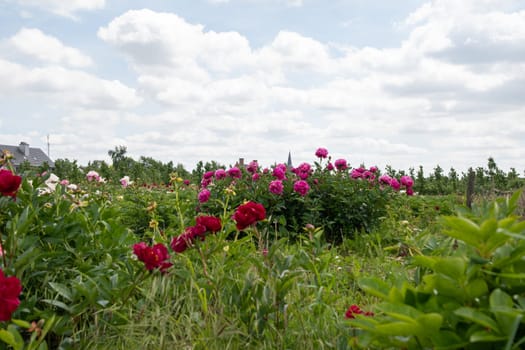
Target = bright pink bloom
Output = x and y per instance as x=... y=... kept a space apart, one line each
x=303 y=171
x=208 y=174
x=321 y=152
x=252 y=167
x=385 y=179
x=276 y=187
x=220 y=174
x=279 y=173
x=234 y=172
x=64 y=182
x=153 y=257
x=357 y=173
x=256 y=177
x=410 y=191
x=330 y=166
x=10 y=289
x=301 y=187
x=407 y=181
x=395 y=184
x=9 y=183
x=341 y=164
x=186 y=182
x=204 y=195
x=248 y=214
x=373 y=169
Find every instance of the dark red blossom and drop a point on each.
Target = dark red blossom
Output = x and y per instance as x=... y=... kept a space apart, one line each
x=153 y=257
x=181 y=243
x=10 y=289
x=248 y=214
x=356 y=310
x=212 y=223
x=9 y=183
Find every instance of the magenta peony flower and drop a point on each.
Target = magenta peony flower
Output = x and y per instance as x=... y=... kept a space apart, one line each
x=330 y=166
x=252 y=167
x=276 y=187
x=373 y=169
x=395 y=184
x=407 y=181
x=321 y=152
x=303 y=171
x=212 y=223
x=410 y=191
x=204 y=195
x=220 y=174
x=341 y=164
x=301 y=187
x=234 y=172
x=279 y=173
x=256 y=177
x=208 y=174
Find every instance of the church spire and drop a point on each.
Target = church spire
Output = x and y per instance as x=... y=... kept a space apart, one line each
x=289 y=162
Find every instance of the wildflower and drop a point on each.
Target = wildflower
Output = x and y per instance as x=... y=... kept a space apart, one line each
x=9 y=183
x=153 y=257
x=341 y=164
x=248 y=214
x=356 y=310
x=276 y=187
x=301 y=187
x=204 y=195
x=321 y=152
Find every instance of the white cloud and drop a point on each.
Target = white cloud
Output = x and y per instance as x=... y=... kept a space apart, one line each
x=72 y=87
x=46 y=48
x=66 y=8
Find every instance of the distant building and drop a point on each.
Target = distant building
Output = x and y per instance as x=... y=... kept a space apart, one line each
x=22 y=153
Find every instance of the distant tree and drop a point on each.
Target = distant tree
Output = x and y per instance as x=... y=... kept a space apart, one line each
x=67 y=169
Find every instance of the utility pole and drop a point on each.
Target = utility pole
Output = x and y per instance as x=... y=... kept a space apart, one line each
x=48 y=146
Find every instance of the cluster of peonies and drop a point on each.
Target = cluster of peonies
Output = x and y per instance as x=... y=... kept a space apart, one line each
x=10 y=289
x=356 y=310
x=157 y=256
x=405 y=181
x=9 y=183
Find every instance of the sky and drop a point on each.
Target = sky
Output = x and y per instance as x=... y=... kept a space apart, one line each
x=403 y=83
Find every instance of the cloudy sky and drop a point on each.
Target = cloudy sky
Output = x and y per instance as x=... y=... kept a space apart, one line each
x=401 y=83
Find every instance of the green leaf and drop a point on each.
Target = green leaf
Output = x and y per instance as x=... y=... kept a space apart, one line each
x=453 y=267
x=429 y=323
x=398 y=329
x=447 y=340
x=499 y=298
x=62 y=290
x=486 y=336
x=7 y=338
x=476 y=288
x=375 y=286
x=463 y=229
x=477 y=317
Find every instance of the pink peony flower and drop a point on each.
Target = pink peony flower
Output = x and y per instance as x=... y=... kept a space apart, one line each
x=125 y=181
x=153 y=257
x=407 y=181
x=276 y=187
x=395 y=184
x=341 y=164
x=220 y=174
x=252 y=167
x=410 y=191
x=330 y=166
x=234 y=172
x=256 y=177
x=208 y=174
x=204 y=195
x=301 y=187
x=279 y=173
x=321 y=152
x=10 y=289
x=92 y=175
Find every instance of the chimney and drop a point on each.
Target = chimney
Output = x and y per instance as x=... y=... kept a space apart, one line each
x=24 y=148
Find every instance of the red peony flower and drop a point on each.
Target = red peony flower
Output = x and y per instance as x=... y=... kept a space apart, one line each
x=9 y=183
x=182 y=242
x=10 y=289
x=153 y=257
x=212 y=223
x=248 y=214
x=356 y=310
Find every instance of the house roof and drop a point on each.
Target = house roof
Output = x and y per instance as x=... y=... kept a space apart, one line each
x=35 y=157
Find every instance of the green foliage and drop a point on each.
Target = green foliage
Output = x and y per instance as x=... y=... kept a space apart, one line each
x=469 y=298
